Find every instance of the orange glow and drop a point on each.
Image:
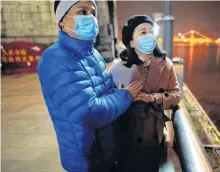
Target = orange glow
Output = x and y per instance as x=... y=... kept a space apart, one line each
x=191 y=54
x=11 y=60
x=31 y=58
x=23 y=52
x=217 y=41
x=160 y=39
x=37 y=58
x=17 y=52
x=10 y=52
x=194 y=37
x=24 y=59
x=4 y=60
x=18 y=59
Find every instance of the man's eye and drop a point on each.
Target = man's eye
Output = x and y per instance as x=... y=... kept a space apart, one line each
x=94 y=14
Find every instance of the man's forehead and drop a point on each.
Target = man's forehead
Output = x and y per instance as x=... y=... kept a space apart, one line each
x=85 y=4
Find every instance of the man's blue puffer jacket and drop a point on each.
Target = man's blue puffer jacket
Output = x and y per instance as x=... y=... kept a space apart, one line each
x=81 y=99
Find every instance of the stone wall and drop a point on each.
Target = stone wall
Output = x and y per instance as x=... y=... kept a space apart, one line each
x=28 y=20
x=35 y=21
x=104 y=38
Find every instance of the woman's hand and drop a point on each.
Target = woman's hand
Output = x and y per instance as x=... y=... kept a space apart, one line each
x=158 y=98
x=155 y=97
x=145 y=97
x=134 y=88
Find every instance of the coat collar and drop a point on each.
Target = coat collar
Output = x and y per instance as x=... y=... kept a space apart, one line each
x=155 y=70
x=83 y=47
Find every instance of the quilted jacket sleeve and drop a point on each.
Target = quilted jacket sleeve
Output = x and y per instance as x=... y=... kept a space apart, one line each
x=115 y=72
x=71 y=92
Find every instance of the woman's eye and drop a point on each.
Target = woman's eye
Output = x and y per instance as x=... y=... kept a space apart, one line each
x=83 y=12
x=143 y=33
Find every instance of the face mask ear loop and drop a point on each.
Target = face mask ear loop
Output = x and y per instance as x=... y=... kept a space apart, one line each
x=70 y=16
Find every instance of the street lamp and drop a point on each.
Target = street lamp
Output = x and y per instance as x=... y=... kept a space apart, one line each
x=168 y=29
x=156 y=30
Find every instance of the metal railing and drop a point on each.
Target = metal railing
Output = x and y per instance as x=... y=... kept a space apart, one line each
x=191 y=152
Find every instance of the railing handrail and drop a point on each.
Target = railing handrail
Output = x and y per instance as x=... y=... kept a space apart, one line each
x=193 y=157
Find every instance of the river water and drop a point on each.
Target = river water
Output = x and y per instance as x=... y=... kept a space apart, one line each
x=202 y=75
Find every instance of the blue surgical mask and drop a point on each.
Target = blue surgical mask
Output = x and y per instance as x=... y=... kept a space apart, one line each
x=147 y=43
x=86 y=26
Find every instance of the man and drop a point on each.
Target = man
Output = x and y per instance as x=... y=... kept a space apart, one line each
x=80 y=95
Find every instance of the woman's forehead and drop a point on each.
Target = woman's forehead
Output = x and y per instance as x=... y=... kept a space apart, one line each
x=143 y=26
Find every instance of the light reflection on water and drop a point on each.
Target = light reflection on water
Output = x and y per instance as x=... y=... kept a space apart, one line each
x=202 y=75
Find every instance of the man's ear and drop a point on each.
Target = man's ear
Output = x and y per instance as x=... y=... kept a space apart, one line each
x=61 y=24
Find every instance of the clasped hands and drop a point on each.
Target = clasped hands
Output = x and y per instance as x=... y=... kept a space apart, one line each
x=137 y=95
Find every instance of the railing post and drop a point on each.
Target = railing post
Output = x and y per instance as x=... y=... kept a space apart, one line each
x=178 y=64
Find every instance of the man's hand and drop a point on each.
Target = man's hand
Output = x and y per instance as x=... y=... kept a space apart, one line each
x=134 y=88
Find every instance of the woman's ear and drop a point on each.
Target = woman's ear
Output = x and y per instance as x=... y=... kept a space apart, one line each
x=132 y=44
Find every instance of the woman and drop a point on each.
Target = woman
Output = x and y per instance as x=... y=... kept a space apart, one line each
x=141 y=128
x=79 y=93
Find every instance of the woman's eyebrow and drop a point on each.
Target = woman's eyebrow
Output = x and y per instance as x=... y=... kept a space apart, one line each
x=141 y=29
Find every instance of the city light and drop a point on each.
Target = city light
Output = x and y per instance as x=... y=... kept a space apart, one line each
x=160 y=39
x=217 y=41
x=194 y=37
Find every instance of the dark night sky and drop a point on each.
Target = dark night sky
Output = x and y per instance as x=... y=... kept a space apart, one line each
x=203 y=16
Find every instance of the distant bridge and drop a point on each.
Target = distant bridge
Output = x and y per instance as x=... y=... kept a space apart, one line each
x=193 y=37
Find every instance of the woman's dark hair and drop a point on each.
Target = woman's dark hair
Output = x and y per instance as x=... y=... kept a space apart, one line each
x=129 y=55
